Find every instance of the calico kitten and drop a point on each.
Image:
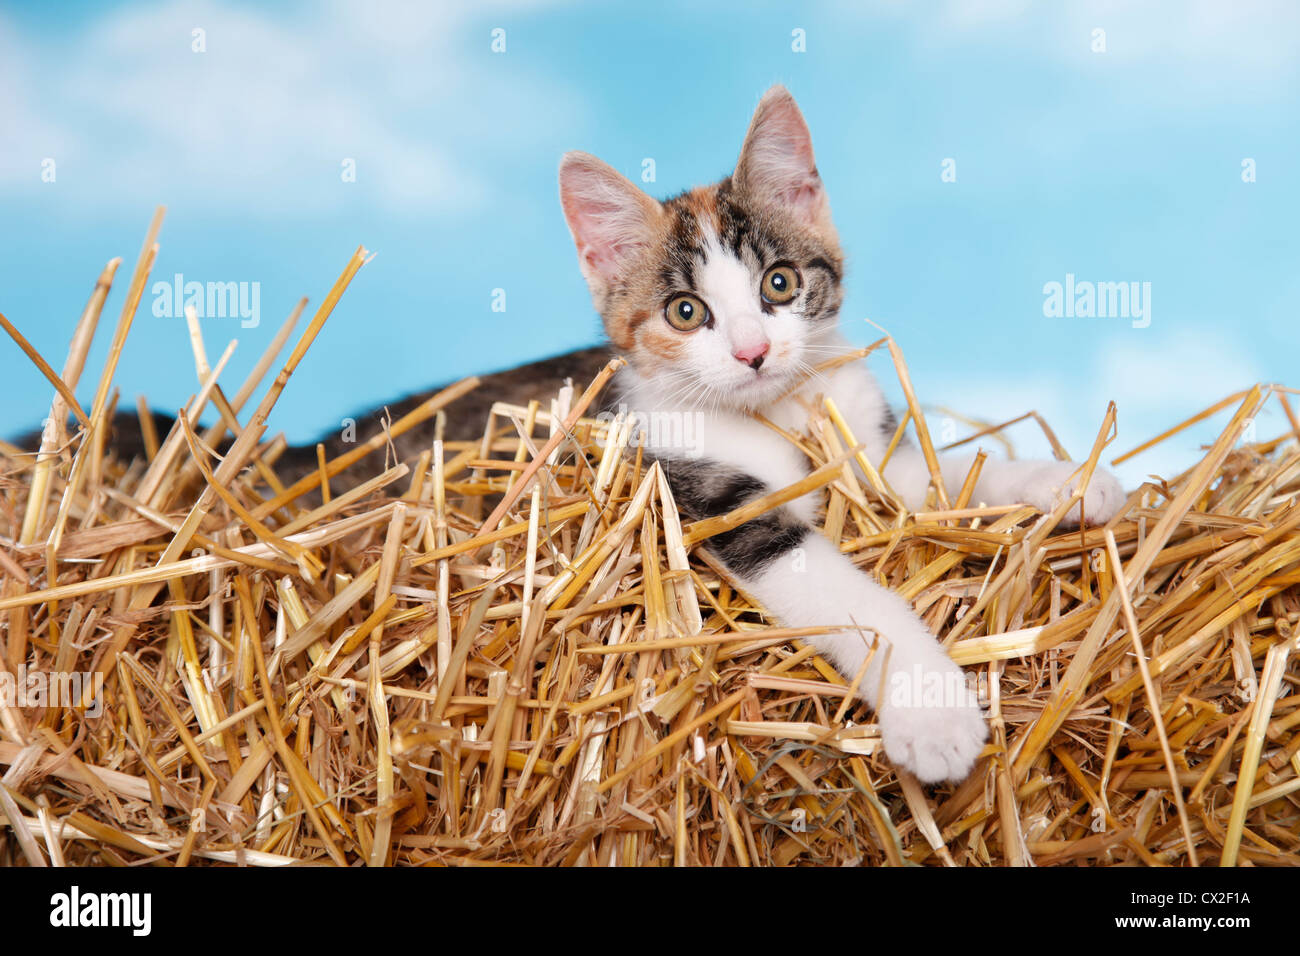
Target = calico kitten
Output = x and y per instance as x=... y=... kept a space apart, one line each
x=721 y=299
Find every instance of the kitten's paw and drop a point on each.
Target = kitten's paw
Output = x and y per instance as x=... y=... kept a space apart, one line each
x=933 y=728
x=1046 y=485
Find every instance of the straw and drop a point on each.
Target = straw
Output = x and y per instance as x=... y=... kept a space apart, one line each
x=294 y=674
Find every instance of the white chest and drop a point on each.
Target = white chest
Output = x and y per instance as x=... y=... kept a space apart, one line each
x=747 y=445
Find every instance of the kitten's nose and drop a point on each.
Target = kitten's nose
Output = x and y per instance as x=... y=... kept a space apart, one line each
x=752 y=355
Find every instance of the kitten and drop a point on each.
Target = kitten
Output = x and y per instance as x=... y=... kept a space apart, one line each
x=721 y=299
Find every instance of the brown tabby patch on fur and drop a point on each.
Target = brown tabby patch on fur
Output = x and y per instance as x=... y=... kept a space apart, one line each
x=466 y=419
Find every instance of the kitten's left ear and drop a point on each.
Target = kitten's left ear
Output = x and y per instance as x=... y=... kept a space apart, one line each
x=776 y=164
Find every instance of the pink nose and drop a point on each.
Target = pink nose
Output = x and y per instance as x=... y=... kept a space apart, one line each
x=751 y=355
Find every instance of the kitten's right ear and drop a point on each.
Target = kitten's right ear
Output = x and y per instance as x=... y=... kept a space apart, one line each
x=612 y=221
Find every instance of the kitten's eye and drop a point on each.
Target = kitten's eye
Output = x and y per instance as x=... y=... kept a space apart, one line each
x=686 y=313
x=780 y=283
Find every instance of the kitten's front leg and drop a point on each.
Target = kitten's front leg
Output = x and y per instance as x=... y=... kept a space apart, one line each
x=1042 y=484
x=930 y=719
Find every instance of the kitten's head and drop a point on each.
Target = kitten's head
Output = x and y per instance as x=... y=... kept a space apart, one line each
x=720 y=293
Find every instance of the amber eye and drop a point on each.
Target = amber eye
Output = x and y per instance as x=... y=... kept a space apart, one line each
x=780 y=283
x=686 y=313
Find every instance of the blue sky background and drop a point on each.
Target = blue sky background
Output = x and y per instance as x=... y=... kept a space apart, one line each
x=1115 y=166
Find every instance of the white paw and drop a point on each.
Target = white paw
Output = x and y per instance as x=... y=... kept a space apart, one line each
x=931 y=723
x=1046 y=485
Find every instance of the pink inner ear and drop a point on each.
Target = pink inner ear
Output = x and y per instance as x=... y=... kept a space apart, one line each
x=803 y=198
x=603 y=259
x=777 y=159
x=790 y=188
x=608 y=217
x=606 y=239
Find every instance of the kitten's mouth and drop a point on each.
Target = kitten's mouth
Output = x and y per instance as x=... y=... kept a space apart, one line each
x=760 y=387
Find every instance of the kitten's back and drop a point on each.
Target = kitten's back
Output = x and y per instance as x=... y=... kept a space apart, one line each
x=466 y=418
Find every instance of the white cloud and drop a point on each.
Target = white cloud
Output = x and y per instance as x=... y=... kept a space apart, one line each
x=1164 y=376
x=22 y=121
x=271 y=109
x=1255 y=35
x=1222 y=49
